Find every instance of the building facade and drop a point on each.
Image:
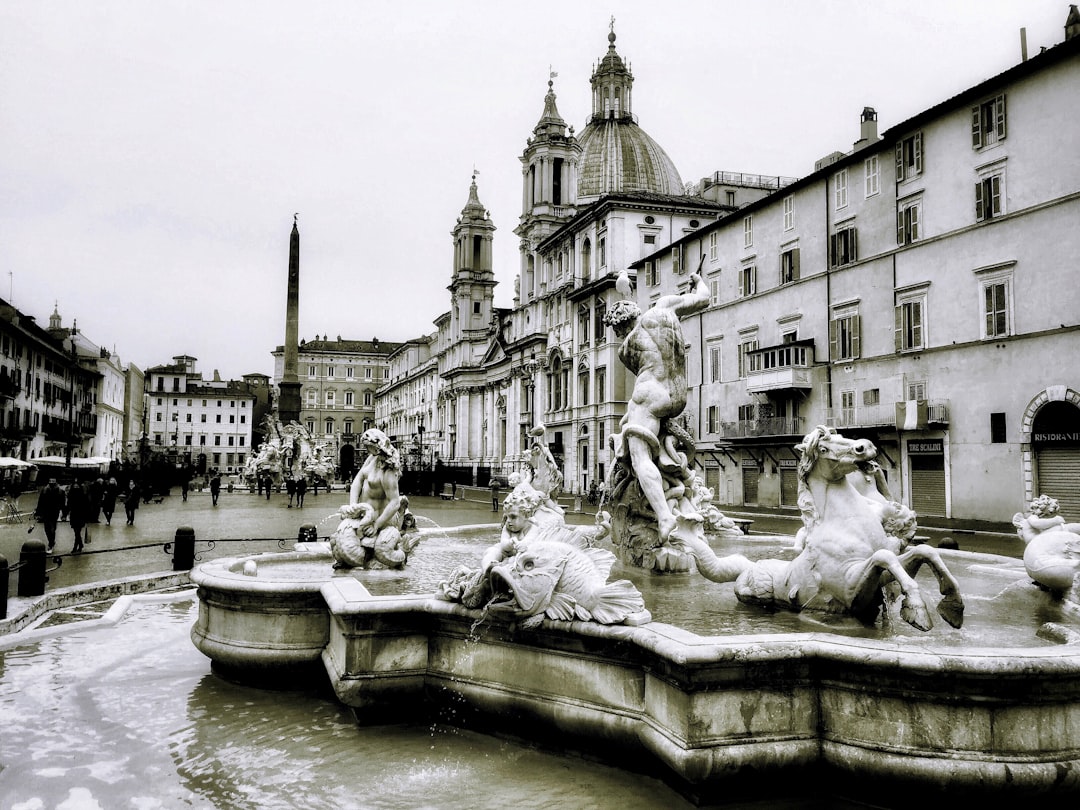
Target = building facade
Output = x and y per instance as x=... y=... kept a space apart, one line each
x=918 y=290
x=201 y=424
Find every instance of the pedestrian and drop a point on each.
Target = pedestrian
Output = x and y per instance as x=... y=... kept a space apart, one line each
x=131 y=502
x=494 y=494
x=185 y=485
x=50 y=504
x=108 y=499
x=79 y=514
x=290 y=487
x=268 y=481
x=301 y=490
x=315 y=487
x=215 y=488
x=94 y=492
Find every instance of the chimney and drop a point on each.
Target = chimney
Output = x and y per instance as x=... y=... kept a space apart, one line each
x=1023 y=44
x=1072 y=24
x=867 y=128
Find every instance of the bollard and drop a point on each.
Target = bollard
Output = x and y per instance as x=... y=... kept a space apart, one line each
x=32 y=569
x=308 y=534
x=5 y=576
x=184 y=549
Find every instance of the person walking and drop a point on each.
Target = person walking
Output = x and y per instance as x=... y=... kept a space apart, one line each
x=290 y=487
x=185 y=487
x=49 y=506
x=494 y=494
x=79 y=514
x=215 y=488
x=108 y=500
x=131 y=502
x=301 y=490
x=269 y=483
x=95 y=491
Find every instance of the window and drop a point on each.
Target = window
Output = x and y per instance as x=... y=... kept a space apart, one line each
x=583 y=386
x=584 y=318
x=649 y=239
x=313 y=371
x=676 y=260
x=714 y=291
x=367 y=373
x=745 y=347
x=714 y=246
x=996 y=308
x=330 y=372
x=843 y=246
x=367 y=399
x=871 y=396
x=348 y=427
x=747 y=413
x=348 y=397
x=916 y=389
x=311 y=395
x=601 y=249
x=187 y=418
x=311 y=425
x=231 y=441
x=187 y=440
x=789 y=212
x=747 y=280
x=476 y=307
x=908 y=215
x=847 y=407
x=217 y=441
x=909 y=323
x=844 y=333
x=243 y=419
x=712 y=419
x=997 y=428
x=840 y=189
x=232 y=419
x=330 y=399
x=217 y=418
x=909 y=157
x=748 y=231
x=157 y=417
x=789 y=265
x=652 y=275
x=600 y=384
x=871 y=174
x=329 y=425
x=202 y=418
x=599 y=330
x=349 y=373
x=714 y=363
x=988 y=122
x=989 y=201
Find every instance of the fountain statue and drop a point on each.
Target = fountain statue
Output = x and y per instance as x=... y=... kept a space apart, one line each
x=847 y=557
x=376 y=524
x=654 y=496
x=289 y=451
x=1052 y=550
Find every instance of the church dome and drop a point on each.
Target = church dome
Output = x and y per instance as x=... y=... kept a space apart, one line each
x=617 y=154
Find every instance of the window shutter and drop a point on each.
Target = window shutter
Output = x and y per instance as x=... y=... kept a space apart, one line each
x=999 y=116
x=993 y=198
x=980 y=212
x=899 y=226
x=976 y=128
x=794 y=264
x=832 y=250
x=898 y=317
x=899 y=161
x=917 y=147
x=834 y=339
x=854 y=245
x=742 y=282
x=855 y=336
x=912 y=214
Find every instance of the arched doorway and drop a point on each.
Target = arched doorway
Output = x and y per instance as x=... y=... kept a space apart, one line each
x=1055 y=444
x=346 y=461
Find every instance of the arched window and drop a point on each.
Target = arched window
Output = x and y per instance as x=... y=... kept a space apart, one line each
x=586 y=259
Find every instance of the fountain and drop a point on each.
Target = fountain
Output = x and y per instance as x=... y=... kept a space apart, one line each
x=806 y=666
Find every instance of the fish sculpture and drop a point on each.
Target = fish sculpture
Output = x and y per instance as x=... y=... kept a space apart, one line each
x=555 y=580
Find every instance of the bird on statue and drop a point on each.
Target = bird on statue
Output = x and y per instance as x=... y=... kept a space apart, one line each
x=622 y=284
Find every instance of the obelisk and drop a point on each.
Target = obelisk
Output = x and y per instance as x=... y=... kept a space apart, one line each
x=289 y=387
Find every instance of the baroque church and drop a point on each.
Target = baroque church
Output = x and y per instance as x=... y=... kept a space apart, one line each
x=466 y=396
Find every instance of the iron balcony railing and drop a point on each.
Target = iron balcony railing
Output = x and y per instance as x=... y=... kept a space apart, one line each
x=757 y=428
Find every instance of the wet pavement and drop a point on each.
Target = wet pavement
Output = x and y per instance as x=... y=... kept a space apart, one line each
x=246 y=523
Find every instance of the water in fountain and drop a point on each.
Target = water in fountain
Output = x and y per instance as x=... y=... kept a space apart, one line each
x=131 y=716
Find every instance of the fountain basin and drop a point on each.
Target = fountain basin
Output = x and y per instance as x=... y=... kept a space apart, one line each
x=717 y=715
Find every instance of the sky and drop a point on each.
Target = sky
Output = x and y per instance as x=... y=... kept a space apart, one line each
x=153 y=155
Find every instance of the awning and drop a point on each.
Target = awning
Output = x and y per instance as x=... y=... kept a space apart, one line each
x=8 y=463
x=95 y=462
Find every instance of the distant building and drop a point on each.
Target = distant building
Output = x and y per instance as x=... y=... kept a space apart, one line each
x=339 y=379
x=207 y=424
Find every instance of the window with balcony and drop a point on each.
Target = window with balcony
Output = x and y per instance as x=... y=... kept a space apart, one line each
x=747 y=280
x=847 y=407
x=844 y=334
x=746 y=346
x=909 y=157
x=908 y=217
x=843 y=246
x=988 y=122
x=871 y=176
x=789 y=265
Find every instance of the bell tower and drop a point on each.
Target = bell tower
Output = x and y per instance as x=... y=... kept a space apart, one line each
x=472 y=286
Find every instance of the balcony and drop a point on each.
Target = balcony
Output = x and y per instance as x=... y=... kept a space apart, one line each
x=863 y=416
x=916 y=414
x=9 y=388
x=778 y=368
x=759 y=428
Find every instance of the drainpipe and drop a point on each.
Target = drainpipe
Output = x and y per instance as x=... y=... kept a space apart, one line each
x=828 y=304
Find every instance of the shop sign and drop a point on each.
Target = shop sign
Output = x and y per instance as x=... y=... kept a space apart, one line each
x=925 y=447
x=1057 y=437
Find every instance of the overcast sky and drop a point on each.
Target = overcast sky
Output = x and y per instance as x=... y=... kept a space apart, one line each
x=152 y=155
